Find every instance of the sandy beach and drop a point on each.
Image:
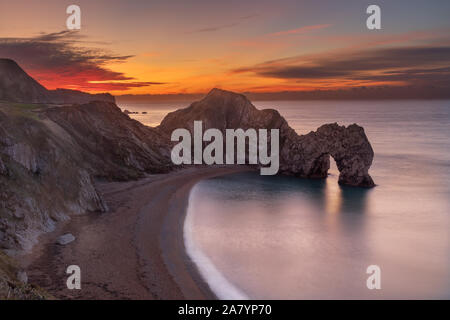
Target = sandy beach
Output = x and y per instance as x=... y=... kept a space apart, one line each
x=134 y=251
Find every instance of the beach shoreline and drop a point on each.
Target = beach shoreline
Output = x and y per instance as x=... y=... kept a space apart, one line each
x=135 y=250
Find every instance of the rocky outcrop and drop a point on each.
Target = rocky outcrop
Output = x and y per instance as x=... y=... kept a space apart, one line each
x=17 y=86
x=309 y=155
x=2 y=168
x=66 y=96
x=112 y=145
x=306 y=156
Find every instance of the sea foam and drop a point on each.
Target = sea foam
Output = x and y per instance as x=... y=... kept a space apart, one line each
x=217 y=282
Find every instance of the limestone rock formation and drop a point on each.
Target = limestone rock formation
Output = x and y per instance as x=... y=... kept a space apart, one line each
x=309 y=155
x=306 y=156
x=46 y=180
x=16 y=85
x=113 y=146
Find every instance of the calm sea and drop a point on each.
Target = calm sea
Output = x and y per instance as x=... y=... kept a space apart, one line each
x=285 y=238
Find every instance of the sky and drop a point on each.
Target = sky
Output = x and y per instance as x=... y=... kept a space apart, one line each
x=172 y=46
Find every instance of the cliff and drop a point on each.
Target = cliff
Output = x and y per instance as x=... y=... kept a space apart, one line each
x=50 y=157
x=17 y=86
x=306 y=156
x=111 y=144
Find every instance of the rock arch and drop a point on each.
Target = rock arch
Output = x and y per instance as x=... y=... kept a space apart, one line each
x=309 y=155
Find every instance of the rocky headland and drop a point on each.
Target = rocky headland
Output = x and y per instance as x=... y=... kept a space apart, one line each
x=304 y=156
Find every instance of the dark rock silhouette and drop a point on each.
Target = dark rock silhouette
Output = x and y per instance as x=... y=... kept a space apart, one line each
x=309 y=155
x=17 y=86
x=306 y=156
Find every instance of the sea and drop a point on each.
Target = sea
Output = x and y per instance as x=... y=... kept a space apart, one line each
x=277 y=237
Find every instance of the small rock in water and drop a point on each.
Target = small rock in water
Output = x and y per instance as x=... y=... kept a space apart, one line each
x=65 y=239
x=22 y=277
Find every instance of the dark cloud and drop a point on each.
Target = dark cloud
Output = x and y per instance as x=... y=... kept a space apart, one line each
x=424 y=77
x=224 y=26
x=414 y=65
x=63 y=59
x=250 y=16
x=214 y=28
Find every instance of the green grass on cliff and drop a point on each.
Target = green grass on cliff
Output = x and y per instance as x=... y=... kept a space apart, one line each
x=21 y=109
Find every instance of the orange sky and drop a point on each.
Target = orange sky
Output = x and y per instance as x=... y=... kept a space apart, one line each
x=160 y=47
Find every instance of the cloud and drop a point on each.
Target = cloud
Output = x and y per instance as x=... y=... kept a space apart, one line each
x=223 y=26
x=117 y=86
x=413 y=65
x=275 y=40
x=250 y=16
x=63 y=60
x=301 y=30
x=214 y=28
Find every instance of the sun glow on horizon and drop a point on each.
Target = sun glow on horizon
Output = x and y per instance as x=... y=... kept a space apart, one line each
x=272 y=47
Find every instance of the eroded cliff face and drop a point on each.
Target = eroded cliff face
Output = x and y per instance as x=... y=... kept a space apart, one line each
x=306 y=156
x=49 y=159
x=112 y=145
x=43 y=181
